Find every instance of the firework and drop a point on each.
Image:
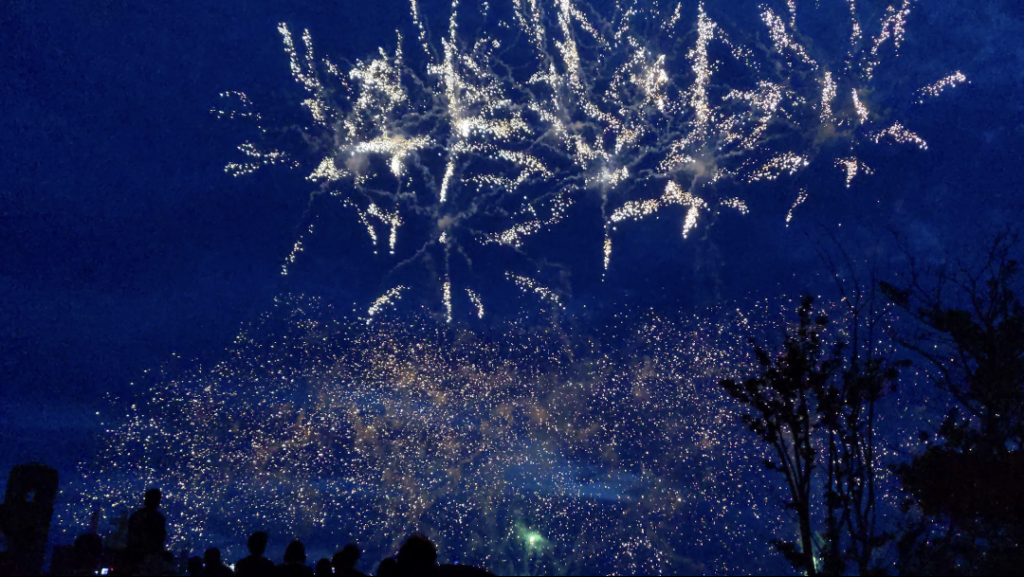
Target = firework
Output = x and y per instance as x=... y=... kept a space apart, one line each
x=598 y=109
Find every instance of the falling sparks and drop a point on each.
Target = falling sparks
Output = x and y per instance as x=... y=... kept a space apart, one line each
x=246 y=109
x=373 y=212
x=635 y=210
x=327 y=172
x=828 y=95
x=615 y=436
x=477 y=303
x=611 y=179
x=447 y=299
x=936 y=89
x=901 y=135
x=703 y=70
x=397 y=148
x=607 y=252
x=638 y=210
x=449 y=172
x=516 y=235
x=674 y=19
x=894 y=27
x=800 y=199
x=529 y=285
x=304 y=72
x=296 y=249
x=862 y=111
x=785 y=164
x=785 y=43
x=735 y=204
x=856 y=31
x=852 y=167
x=385 y=300
x=259 y=158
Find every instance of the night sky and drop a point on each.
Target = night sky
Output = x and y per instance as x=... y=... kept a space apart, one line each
x=125 y=244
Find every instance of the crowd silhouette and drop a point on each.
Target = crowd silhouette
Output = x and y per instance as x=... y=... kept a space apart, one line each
x=145 y=554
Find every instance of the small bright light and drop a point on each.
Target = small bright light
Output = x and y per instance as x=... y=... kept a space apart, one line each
x=534 y=539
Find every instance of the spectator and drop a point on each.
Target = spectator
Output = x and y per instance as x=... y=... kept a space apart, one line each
x=147 y=529
x=213 y=566
x=387 y=568
x=85 y=558
x=418 y=555
x=157 y=565
x=195 y=566
x=344 y=561
x=323 y=568
x=256 y=565
x=294 y=561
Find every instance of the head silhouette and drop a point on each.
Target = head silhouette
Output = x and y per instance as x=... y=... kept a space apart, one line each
x=295 y=553
x=211 y=558
x=89 y=544
x=347 y=557
x=387 y=567
x=89 y=551
x=257 y=543
x=153 y=498
x=417 y=553
x=323 y=568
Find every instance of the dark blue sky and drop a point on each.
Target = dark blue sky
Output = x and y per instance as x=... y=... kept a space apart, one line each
x=124 y=242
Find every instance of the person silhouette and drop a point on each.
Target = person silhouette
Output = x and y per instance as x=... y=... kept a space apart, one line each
x=344 y=561
x=387 y=568
x=85 y=558
x=213 y=566
x=195 y=566
x=294 y=561
x=256 y=565
x=417 y=556
x=147 y=529
x=323 y=568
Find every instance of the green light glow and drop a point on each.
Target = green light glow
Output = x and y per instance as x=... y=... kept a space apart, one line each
x=534 y=539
